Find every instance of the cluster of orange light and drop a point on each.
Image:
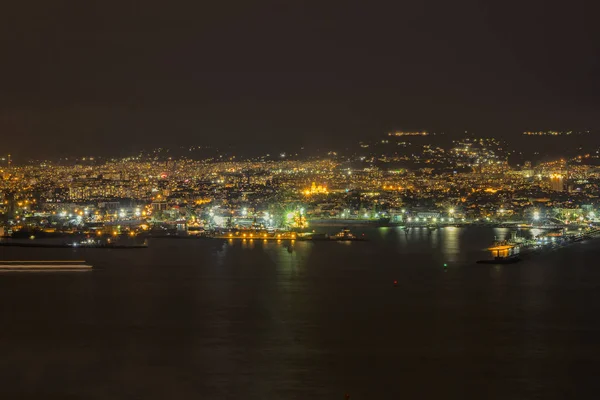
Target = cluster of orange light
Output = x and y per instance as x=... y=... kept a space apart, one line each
x=314 y=189
x=391 y=187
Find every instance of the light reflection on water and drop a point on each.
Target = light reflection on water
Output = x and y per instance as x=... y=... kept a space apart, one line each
x=257 y=320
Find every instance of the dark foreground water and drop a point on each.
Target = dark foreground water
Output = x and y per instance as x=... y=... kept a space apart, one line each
x=205 y=320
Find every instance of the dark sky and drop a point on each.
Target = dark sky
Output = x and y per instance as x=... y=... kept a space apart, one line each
x=93 y=77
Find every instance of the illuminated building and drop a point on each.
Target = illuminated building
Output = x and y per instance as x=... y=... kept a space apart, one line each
x=316 y=189
x=556 y=182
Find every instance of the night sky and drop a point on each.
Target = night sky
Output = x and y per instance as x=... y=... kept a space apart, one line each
x=102 y=77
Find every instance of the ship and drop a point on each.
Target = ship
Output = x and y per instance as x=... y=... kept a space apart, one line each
x=344 y=235
x=45 y=265
x=108 y=244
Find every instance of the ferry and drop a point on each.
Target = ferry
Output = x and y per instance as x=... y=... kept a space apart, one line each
x=20 y=265
x=100 y=244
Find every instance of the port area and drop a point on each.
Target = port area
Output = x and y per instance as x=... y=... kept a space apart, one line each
x=45 y=265
x=555 y=239
x=515 y=249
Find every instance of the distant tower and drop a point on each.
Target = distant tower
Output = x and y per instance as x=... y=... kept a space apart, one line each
x=9 y=160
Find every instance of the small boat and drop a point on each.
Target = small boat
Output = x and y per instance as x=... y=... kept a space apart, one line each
x=344 y=235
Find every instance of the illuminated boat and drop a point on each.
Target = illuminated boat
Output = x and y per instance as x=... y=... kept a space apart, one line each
x=342 y=236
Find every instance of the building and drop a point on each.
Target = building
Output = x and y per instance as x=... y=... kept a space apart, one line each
x=557 y=183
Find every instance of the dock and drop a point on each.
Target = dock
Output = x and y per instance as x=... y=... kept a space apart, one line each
x=72 y=265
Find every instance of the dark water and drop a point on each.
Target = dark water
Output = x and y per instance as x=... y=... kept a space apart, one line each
x=204 y=320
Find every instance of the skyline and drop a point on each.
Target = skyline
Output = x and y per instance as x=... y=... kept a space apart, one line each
x=121 y=78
